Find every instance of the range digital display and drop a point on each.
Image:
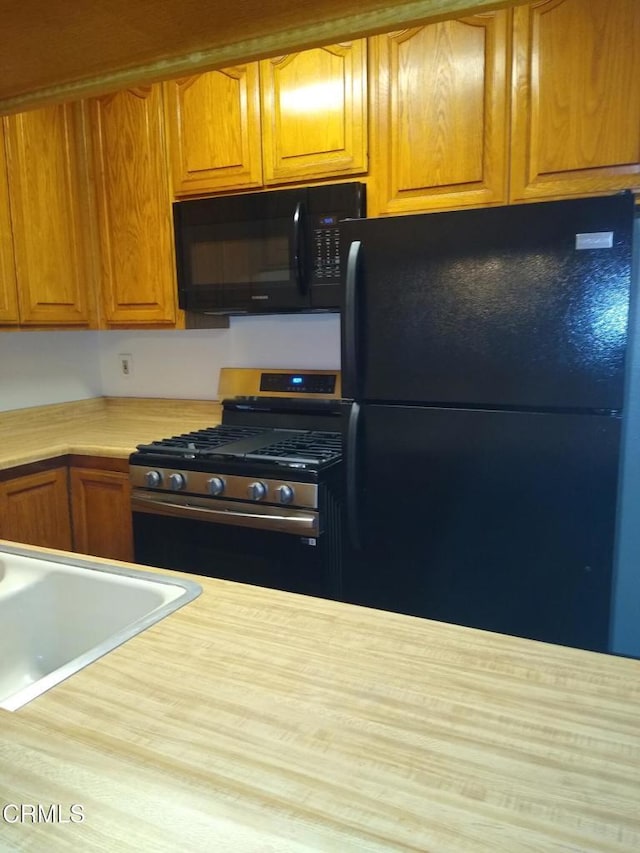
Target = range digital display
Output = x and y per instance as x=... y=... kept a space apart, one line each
x=306 y=383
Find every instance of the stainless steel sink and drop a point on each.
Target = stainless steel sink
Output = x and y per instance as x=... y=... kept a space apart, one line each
x=57 y=615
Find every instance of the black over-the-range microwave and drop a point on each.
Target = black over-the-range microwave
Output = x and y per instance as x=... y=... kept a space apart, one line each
x=264 y=252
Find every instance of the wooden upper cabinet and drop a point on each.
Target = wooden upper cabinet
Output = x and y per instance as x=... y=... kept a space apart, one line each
x=213 y=124
x=8 y=292
x=47 y=198
x=576 y=98
x=134 y=208
x=439 y=134
x=314 y=113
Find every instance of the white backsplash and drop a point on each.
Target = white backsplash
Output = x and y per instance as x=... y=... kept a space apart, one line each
x=37 y=368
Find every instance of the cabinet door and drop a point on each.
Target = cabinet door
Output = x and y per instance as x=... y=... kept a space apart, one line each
x=213 y=124
x=47 y=205
x=34 y=509
x=439 y=134
x=576 y=98
x=314 y=113
x=134 y=207
x=101 y=508
x=8 y=294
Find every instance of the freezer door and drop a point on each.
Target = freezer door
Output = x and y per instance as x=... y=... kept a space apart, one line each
x=495 y=520
x=522 y=306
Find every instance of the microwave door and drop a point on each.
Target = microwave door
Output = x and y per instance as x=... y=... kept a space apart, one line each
x=280 y=282
x=242 y=253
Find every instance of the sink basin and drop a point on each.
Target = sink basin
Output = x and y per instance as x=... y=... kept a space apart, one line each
x=58 y=614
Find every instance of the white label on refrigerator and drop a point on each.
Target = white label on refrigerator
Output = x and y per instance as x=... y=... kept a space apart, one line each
x=595 y=240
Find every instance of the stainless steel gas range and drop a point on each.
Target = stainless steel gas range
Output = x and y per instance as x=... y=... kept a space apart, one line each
x=257 y=499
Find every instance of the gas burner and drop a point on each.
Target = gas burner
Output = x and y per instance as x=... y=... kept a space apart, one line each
x=201 y=441
x=260 y=444
x=301 y=449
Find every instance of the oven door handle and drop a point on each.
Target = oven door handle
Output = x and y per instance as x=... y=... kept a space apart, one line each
x=299 y=524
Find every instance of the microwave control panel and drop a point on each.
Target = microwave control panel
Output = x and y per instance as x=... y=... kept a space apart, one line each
x=325 y=247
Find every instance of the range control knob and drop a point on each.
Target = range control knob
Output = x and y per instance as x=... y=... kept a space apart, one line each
x=285 y=494
x=257 y=491
x=177 y=481
x=215 y=486
x=152 y=479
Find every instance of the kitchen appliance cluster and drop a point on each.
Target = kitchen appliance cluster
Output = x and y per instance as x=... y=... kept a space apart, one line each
x=256 y=499
x=480 y=467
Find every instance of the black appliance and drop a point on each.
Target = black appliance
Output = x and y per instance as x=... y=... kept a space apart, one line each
x=255 y=500
x=263 y=252
x=484 y=351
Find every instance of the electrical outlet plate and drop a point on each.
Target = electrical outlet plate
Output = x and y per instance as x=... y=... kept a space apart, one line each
x=126 y=363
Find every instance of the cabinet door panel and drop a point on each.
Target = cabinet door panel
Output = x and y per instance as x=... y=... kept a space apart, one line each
x=314 y=113
x=8 y=293
x=213 y=123
x=576 y=98
x=45 y=191
x=439 y=132
x=101 y=507
x=134 y=203
x=34 y=509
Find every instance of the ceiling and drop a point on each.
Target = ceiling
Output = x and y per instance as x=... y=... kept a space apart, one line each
x=55 y=50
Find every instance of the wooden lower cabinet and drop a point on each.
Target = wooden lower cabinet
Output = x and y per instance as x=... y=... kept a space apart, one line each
x=34 y=509
x=101 y=510
x=83 y=507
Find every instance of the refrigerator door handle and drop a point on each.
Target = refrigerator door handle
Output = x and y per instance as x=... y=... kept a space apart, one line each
x=353 y=528
x=351 y=320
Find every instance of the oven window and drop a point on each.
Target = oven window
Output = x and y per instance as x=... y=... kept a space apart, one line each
x=240 y=253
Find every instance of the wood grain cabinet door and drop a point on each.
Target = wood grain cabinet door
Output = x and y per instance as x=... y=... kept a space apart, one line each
x=134 y=208
x=439 y=129
x=47 y=205
x=314 y=113
x=213 y=125
x=8 y=292
x=576 y=98
x=101 y=511
x=34 y=509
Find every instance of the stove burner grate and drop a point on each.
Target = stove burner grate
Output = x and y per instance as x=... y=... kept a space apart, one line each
x=303 y=447
x=202 y=440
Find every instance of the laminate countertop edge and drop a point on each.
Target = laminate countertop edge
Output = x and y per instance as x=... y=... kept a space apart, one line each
x=257 y=720
x=102 y=426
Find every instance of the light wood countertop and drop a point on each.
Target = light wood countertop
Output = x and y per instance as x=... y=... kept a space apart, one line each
x=255 y=720
x=103 y=426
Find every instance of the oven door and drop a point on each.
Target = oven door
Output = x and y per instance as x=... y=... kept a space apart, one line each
x=267 y=546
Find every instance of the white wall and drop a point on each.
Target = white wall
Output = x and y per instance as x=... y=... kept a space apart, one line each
x=37 y=368
x=186 y=364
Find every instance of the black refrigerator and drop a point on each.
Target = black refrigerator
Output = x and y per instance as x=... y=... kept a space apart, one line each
x=483 y=362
